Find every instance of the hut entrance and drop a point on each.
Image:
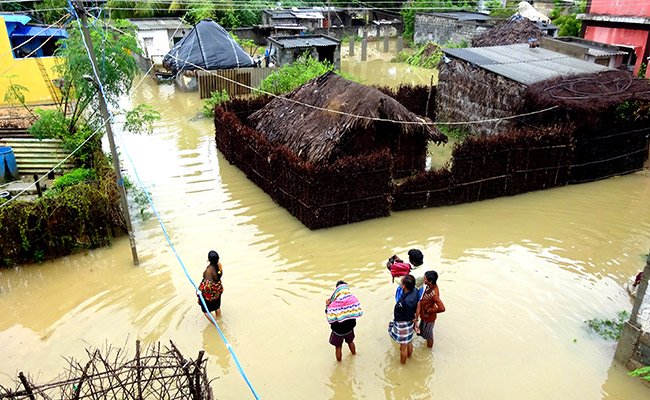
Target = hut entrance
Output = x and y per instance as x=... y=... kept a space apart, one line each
x=326 y=53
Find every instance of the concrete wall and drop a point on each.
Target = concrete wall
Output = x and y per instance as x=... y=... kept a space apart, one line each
x=289 y=56
x=154 y=43
x=633 y=348
x=431 y=28
x=620 y=7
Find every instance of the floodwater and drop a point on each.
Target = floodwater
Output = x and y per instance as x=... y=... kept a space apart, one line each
x=378 y=69
x=519 y=277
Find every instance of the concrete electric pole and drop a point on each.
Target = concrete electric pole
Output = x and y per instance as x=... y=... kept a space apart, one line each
x=103 y=108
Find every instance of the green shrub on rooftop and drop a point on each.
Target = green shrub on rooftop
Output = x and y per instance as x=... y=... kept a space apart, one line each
x=291 y=76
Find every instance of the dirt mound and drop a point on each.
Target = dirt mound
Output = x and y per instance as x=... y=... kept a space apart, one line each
x=513 y=31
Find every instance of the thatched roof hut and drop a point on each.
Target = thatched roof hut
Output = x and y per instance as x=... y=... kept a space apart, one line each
x=362 y=121
x=512 y=31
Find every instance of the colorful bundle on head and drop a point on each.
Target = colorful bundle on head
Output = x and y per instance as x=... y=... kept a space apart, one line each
x=343 y=305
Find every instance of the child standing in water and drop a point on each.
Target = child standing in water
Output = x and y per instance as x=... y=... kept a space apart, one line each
x=429 y=307
x=342 y=310
x=211 y=287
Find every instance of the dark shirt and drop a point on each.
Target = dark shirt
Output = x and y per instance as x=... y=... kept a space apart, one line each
x=343 y=328
x=406 y=306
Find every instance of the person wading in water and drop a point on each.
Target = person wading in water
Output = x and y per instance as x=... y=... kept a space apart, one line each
x=211 y=287
x=429 y=307
x=402 y=328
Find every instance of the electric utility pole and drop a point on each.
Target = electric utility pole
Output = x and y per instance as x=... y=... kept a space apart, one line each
x=103 y=108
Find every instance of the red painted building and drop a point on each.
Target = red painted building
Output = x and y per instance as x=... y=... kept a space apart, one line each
x=625 y=23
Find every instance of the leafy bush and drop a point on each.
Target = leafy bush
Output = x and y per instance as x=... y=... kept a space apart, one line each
x=74 y=177
x=453 y=132
x=430 y=54
x=52 y=124
x=215 y=98
x=609 y=328
x=141 y=119
x=643 y=373
x=498 y=11
x=293 y=75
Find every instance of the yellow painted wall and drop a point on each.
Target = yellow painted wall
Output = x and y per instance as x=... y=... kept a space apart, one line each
x=25 y=72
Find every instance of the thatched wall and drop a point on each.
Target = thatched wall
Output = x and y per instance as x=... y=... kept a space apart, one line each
x=469 y=93
x=418 y=99
x=486 y=167
x=349 y=190
x=607 y=114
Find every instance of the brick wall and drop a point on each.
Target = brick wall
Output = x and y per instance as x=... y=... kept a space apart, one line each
x=432 y=28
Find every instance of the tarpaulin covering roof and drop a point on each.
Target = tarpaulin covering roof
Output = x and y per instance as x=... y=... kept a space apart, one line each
x=207 y=46
x=21 y=19
x=42 y=31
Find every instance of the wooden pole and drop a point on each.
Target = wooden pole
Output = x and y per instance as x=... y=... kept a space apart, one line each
x=25 y=383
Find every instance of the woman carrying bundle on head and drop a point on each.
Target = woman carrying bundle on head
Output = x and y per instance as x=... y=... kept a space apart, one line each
x=342 y=309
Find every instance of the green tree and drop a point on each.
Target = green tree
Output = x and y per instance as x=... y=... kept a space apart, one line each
x=51 y=11
x=77 y=116
x=566 y=20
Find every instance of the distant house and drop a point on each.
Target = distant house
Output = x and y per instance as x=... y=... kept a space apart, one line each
x=308 y=18
x=445 y=27
x=623 y=24
x=285 y=50
x=599 y=53
x=27 y=58
x=459 y=26
x=156 y=36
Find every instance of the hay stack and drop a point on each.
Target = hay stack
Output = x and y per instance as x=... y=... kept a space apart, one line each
x=513 y=31
x=318 y=136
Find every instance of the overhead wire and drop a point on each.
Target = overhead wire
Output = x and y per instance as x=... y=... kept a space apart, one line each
x=364 y=117
x=170 y=243
x=34 y=37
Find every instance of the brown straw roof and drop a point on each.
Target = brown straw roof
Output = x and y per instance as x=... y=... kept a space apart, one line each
x=513 y=31
x=590 y=92
x=314 y=134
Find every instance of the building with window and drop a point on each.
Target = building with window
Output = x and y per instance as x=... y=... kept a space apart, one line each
x=625 y=24
x=27 y=59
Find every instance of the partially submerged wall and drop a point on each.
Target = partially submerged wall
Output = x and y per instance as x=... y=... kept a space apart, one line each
x=351 y=189
x=469 y=93
x=433 y=28
x=633 y=348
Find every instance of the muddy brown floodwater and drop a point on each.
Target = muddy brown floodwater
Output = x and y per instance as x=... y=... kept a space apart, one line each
x=519 y=276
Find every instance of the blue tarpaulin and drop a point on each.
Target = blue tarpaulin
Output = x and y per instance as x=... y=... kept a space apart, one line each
x=30 y=31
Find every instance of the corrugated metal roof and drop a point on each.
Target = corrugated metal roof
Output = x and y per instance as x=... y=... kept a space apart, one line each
x=523 y=64
x=150 y=24
x=292 y=42
x=42 y=31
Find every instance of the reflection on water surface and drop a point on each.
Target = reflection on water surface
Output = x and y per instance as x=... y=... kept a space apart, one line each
x=519 y=277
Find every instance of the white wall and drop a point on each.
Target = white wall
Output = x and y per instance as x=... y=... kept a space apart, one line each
x=155 y=44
